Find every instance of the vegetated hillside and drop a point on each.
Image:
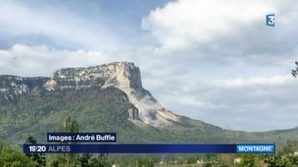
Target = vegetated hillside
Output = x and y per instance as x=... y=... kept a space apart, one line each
x=106 y=111
x=96 y=110
x=107 y=98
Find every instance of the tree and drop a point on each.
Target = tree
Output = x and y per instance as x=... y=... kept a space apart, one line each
x=248 y=160
x=144 y=161
x=71 y=160
x=283 y=158
x=85 y=160
x=72 y=126
x=100 y=161
x=38 y=158
x=10 y=157
x=69 y=125
x=213 y=163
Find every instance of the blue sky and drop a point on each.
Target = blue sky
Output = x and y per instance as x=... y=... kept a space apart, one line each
x=117 y=23
x=213 y=60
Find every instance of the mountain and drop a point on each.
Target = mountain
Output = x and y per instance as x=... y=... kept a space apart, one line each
x=124 y=76
x=104 y=98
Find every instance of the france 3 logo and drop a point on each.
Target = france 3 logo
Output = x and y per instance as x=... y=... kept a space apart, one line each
x=270 y=20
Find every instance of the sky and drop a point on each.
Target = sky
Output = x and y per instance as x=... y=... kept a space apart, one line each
x=214 y=60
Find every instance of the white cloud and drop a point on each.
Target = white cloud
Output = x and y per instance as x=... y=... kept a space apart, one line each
x=186 y=24
x=42 y=60
x=258 y=81
x=60 y=27
x=191 y=101
x=252 y=103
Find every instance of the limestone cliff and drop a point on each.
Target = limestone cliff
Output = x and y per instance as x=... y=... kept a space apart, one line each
x=122 y=75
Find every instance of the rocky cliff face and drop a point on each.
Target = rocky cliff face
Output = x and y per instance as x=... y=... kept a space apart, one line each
x=122 y=75
x=13 y=86
x=114 y=74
